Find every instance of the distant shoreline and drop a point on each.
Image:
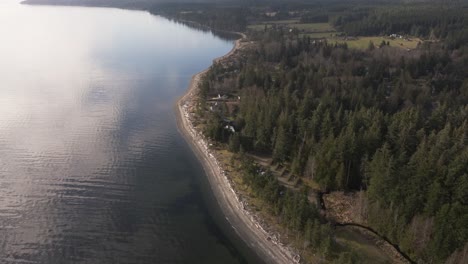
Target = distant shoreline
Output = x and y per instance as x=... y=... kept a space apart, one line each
x=243 y=223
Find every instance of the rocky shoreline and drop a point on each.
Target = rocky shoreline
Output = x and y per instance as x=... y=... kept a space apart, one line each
x=246 y=223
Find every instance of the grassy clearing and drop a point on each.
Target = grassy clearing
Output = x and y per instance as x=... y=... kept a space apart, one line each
x=319 y=35
x=258 y=27
x=313 y=27
x=362 y=43
x=294 y=24
x=367 y=251
x=326 y=31
x=289 y=21
x=311 y=184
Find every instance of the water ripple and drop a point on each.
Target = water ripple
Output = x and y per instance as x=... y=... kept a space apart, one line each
x=92 y=168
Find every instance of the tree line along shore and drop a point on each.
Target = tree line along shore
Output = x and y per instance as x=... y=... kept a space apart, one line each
x=339 y=114
x=323 y=135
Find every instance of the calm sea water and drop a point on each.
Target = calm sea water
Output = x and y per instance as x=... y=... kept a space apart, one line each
x=92 y=168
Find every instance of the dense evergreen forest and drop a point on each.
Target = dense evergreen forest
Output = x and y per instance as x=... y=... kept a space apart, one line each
x=384 y=120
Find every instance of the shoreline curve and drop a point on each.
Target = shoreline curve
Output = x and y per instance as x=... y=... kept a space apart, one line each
x=243 y=222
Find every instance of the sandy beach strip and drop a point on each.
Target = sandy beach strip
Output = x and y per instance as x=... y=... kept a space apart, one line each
x=245 y=223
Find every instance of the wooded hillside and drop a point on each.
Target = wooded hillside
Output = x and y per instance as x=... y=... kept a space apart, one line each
x=384 y=120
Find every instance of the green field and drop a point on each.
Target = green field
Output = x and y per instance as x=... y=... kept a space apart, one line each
x=326 y=31
x=312 y=27
x=294 y=24
x=290 y=21
x=319 y=35
x=258 y=27
x=363 y=42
